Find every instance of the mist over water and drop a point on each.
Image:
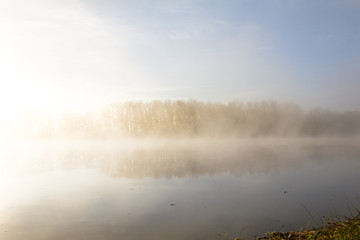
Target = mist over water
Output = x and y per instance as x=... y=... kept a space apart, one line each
x=176 y=170
x=117 y=119
x=173 y=189
x=185 y=119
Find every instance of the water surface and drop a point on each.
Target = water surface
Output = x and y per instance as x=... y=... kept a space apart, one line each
x=173 y=189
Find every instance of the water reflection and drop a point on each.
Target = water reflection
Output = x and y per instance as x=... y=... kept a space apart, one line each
x=172 y=189
x=179 y=160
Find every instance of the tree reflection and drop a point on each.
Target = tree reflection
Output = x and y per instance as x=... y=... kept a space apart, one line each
x=186 y=160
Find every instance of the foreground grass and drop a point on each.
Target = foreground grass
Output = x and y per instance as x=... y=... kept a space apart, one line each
x=348 y=229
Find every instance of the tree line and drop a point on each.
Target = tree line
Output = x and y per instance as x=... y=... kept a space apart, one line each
x=193 y=118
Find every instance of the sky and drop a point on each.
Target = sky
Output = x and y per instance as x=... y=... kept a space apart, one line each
x=81 y=54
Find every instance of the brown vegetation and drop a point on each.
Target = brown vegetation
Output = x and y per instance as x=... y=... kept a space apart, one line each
x=193 y=119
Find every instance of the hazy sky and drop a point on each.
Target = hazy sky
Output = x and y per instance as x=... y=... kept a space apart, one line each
x=79 y=53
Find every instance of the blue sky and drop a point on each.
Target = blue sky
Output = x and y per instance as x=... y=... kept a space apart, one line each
x=87 y=52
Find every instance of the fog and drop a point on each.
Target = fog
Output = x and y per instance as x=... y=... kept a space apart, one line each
x=156 y=158
x=183 y=119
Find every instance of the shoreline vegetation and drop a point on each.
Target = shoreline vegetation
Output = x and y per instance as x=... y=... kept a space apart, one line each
x=333 y=229
x=185 y=119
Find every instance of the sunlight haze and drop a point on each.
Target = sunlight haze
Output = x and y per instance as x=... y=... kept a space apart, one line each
x=179 y=119
x=67 y=55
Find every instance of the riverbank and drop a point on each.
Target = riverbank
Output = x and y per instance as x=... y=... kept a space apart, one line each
x=336 y=230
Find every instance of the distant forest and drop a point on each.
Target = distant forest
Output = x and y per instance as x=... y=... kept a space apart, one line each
x=192 y=119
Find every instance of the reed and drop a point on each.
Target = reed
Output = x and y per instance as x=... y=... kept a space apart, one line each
x=333 y=229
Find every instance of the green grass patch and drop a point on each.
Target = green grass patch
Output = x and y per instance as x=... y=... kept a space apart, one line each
x=334 y=229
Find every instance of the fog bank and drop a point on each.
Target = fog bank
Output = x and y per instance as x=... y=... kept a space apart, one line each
x=173 y=119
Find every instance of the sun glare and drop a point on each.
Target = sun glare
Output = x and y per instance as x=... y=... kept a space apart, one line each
x=19 y=99
x=44 y=58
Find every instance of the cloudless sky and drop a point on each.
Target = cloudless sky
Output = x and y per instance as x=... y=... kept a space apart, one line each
x=81 y=53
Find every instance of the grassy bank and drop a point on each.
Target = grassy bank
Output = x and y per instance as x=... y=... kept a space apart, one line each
x=348 y=229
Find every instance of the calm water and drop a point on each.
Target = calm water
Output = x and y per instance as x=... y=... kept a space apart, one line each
x=218 y=189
